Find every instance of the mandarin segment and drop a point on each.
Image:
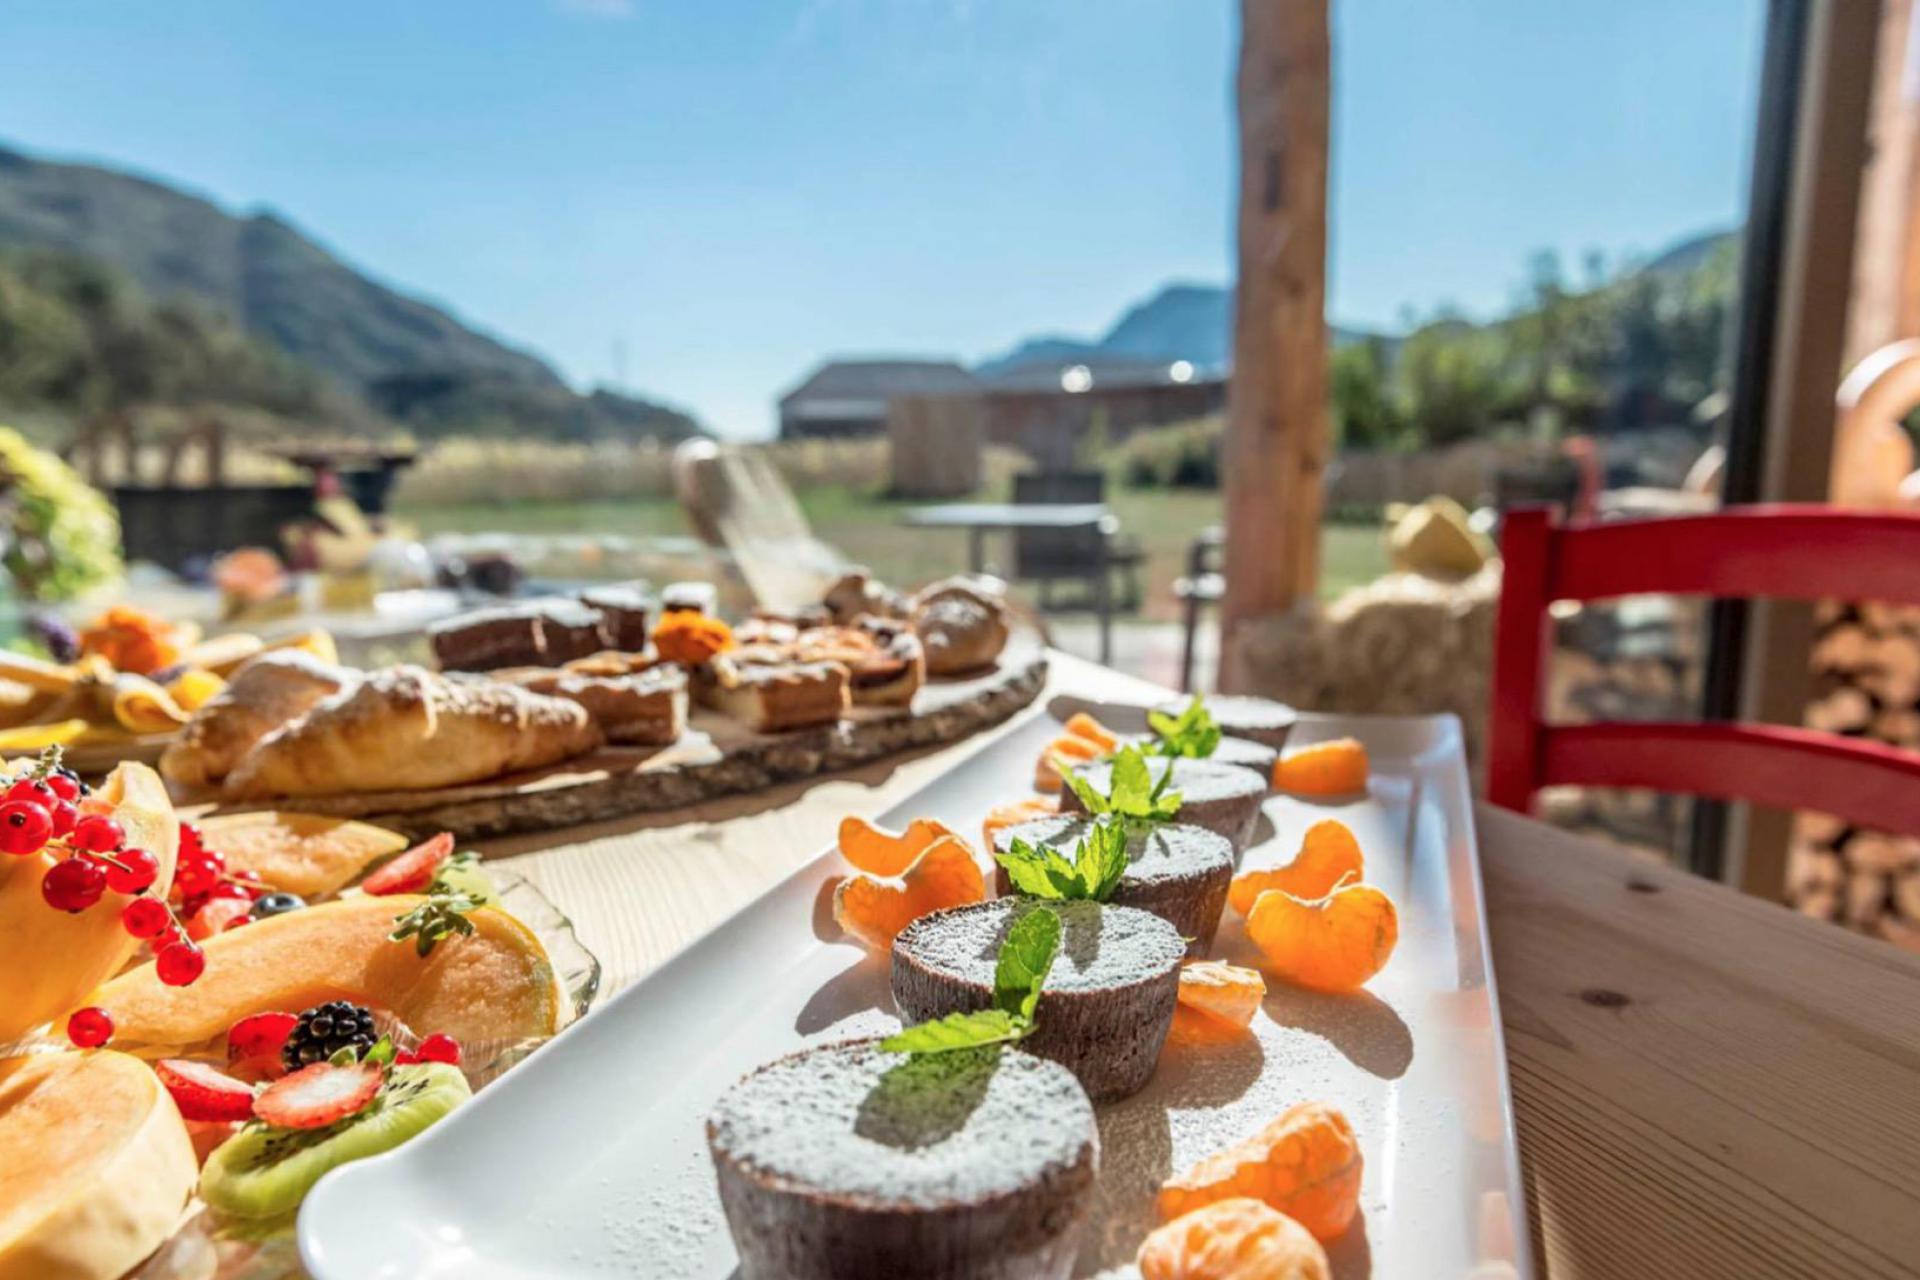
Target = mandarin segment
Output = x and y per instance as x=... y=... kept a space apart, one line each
x=1329 y=853
x=1336 y=768
x=1015 y=812
x=1082 y=725
x=880 y=852
x=1234 y=1239
x=1305 y=1163
x=874 y=910
x=1336 y=943
x=1068 y=748
x=1224 y=991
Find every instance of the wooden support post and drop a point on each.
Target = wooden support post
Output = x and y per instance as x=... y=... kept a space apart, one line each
x=1276 y=439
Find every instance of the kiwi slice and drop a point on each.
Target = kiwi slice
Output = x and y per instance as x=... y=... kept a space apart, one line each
x=263 y=1172
x=466 y=876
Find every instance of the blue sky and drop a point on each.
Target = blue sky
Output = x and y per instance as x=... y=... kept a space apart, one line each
x=727 y=190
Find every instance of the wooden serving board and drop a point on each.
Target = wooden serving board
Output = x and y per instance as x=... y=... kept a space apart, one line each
x=715 y=757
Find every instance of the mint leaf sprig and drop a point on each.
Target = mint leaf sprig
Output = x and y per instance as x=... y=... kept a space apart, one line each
x=1191 y=734
x=441 y=916
x=1133 y=796
x=1099 y=860
x=1019 y=972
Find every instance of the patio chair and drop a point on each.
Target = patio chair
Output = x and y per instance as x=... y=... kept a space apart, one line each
x=1047 y=556
x=737 y=499
x=1805 y=553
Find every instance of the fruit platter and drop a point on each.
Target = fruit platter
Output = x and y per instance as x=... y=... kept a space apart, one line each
x=201 y=1020
x=1195 y=991
x=551 y=712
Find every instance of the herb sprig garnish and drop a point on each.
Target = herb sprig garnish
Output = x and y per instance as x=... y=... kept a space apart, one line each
x=1099 y=860
x=1191 y=734
x=443 y=915
x=1133 y=796
x=1019 y=972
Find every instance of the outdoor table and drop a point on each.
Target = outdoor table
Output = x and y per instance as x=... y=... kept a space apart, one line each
x=981 y=518
x=1705 y=1085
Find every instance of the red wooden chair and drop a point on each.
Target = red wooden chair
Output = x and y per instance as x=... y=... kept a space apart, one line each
x=1773 y=552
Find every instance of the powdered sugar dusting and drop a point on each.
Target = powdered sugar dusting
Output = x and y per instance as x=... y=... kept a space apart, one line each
x=1100 y=946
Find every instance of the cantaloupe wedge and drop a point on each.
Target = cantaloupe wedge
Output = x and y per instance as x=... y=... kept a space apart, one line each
x=95 y=1166
x=310 y=854
x=52 y=959
x=496 y=984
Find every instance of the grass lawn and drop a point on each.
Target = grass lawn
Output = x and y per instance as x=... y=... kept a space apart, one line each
x=868 y=530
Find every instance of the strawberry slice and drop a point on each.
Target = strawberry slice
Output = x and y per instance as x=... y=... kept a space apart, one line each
x=202 y=1092
x=254 y=1044
x=412 y=871
x=218 y=916
x=317 y=1096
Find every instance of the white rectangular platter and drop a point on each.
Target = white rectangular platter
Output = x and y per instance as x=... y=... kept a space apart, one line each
x=590 y=1158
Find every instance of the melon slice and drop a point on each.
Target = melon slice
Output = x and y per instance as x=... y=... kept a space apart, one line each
x=310 y=854
x=95 y=1166
x=52 y=959
x=496 y=984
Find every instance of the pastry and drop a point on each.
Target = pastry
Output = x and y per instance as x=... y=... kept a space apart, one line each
x=962 y=621
x=775 y=694
x=1108 y=1000
x=846 y=1160
x=884 y=659
x=1223 y=798
x=1261 y=719
x=1245 y=752
x=1179 y=872
x=855 y=593
x=407 y=729
x=647 y=708
x=273 y=690
x=537 y=633
x=615 y=662
x=625 y=613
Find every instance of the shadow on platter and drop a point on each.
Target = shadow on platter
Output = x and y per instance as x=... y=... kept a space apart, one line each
x=1205 y=1064
x=861 y=986
x=1360 y=1025
x=1352 y=1254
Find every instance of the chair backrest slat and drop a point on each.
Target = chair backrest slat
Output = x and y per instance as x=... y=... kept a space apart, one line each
x=1768 y=552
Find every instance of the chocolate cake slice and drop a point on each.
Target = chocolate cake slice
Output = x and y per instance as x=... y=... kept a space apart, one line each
x=1178 y=872
x=849 y=1161
x=1239 y=716
x=625 y=610
x=533 y=633
x=1108 y=1001
x=1223 y=798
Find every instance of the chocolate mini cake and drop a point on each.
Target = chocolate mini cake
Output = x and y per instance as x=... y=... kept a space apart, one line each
x=699 y=597
x=1179 y=872
x=1223 y=798
x=1239 y=716
x=625 y=611
x=846 y=1161
x=1245 y=752
x=1108 y=1001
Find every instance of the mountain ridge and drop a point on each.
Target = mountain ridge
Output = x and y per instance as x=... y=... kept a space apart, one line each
x=279 y=283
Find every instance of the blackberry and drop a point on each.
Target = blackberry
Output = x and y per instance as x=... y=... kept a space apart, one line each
x=325 y=1030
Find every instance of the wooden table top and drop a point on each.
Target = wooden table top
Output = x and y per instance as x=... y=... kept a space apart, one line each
x=1705 y=1085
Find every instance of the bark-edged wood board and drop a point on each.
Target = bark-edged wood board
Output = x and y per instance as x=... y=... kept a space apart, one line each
x=715 y=757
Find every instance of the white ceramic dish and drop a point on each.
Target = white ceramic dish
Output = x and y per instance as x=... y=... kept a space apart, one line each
x=590 y=1159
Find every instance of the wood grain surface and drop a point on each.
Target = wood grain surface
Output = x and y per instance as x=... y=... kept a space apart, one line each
x=1705 y=1085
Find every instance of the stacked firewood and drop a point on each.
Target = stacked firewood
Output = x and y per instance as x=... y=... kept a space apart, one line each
x=1866 y=669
